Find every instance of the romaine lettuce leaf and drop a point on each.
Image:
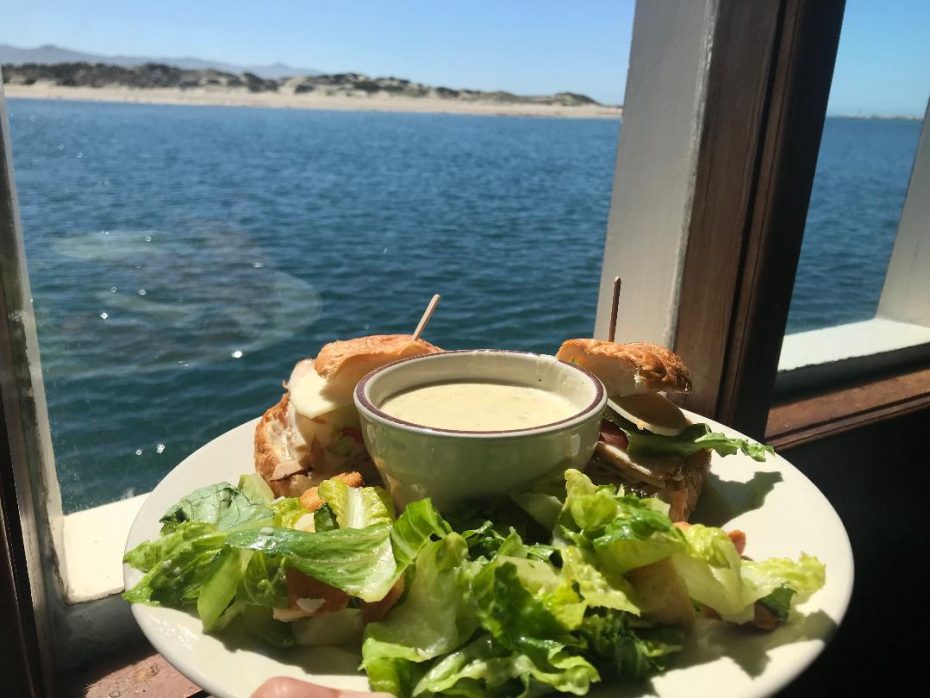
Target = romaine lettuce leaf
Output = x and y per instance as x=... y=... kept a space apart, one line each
x=358 y=561
x=694 y=438
x=520 y=622
x=779 y=601
x=622 y=531
x=485 y=668
x=396 y=675
x=481 y=668
x=717 y=577
x=631 y=652
x=640 y=654
x=253 y=486
x=363 y=562
x=710 y=568
x=513 y=615
x=176 y=565
x=220 y=587
x=766 y=577
x=357 y=507
x=599 y=589
x=638 y=537
x=435 y=615
x=264 y=580
x=530 y=626
x=483 y=541
x=534 y=635
x=439 y=614
x=290 y=513
x=434 y=618
x=152 y=552
x=543 y=500
x=324 y=519
x=553 y=590
x=488 y=540
x=220 y=504
x=486 y=525
x=419 y=522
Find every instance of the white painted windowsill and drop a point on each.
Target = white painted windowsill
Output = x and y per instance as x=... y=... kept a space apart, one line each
x=94 y=540
x=820 y=356
x=94 y=619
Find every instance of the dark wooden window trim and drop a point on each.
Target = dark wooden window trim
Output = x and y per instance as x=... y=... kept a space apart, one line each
x=767 y=93
x=819 y=414
x=25 y=661
x=766 y=102
x=21 y=661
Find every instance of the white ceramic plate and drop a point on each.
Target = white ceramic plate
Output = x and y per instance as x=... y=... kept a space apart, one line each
x=779 y=509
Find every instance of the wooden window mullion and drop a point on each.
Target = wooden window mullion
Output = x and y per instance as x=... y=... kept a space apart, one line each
x=767 y=90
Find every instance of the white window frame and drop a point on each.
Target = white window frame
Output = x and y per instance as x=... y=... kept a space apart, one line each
x=654 y=177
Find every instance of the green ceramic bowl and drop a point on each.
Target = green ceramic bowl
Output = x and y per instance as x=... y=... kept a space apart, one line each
x=453 y=467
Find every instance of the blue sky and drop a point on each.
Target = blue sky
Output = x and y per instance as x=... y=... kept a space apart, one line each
x=520 y=45
x=883 y=63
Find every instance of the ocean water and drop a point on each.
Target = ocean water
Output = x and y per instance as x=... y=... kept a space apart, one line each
x=862 y=175
x=183 y=258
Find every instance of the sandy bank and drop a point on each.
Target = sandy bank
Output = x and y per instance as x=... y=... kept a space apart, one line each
x=243 y=98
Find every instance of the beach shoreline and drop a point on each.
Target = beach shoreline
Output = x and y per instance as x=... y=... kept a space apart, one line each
x=278 y=100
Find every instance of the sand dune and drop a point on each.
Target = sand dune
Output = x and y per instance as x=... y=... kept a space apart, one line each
x=244 y=98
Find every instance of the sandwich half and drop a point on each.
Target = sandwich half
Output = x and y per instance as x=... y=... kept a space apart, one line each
x=647 y=444
x=313 y=432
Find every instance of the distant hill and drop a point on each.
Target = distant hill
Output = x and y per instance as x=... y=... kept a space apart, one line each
x=50 y=54
x=161 y=76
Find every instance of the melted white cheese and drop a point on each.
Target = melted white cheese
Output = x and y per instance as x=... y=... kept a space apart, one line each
x=307 y=395
x=652 y=412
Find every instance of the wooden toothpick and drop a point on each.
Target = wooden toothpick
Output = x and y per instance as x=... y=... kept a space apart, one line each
x=427 y=314
x=614 y=310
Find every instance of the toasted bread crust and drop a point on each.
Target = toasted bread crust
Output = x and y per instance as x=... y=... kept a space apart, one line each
x=683 y=495
x=285 y=468
x=266 y=458
x=344 y=363
x=621 y=367
x=337 y=356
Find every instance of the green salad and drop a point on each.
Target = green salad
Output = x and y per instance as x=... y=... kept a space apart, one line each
x=551 y=590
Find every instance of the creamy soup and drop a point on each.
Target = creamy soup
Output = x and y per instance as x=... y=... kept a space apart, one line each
x=478 y=406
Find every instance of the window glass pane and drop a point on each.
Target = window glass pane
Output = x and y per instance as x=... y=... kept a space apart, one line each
x=182 y=258
x=877 y=103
